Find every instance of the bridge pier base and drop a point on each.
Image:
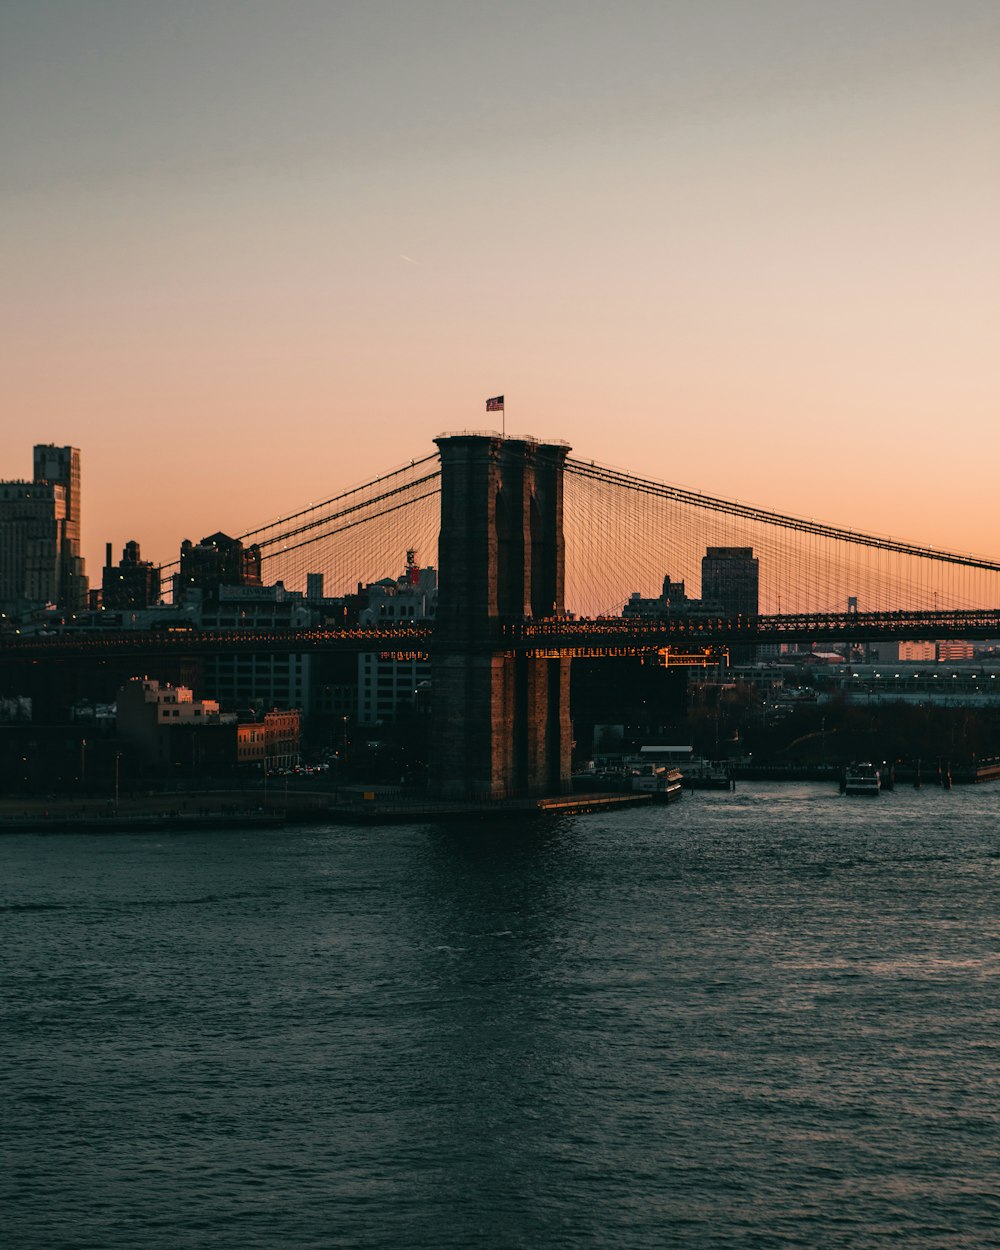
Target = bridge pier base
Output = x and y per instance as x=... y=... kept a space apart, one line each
x=501 y=726
x=503 y=730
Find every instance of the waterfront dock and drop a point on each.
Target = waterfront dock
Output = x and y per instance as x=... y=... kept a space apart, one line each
x=137 y=816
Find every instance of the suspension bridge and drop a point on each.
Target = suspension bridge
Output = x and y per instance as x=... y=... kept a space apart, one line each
x=541 y=555
x=623 y=533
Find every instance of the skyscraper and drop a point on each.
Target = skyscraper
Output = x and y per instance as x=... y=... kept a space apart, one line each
x=40 y=559
x=730 y=583
x=61 y=466
x=730 y=580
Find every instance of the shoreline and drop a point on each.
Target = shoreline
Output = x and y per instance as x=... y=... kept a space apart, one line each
x=371 y=812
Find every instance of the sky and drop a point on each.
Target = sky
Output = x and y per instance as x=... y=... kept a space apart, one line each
x=254 y=252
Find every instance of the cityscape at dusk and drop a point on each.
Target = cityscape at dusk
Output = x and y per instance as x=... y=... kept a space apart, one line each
x=750 y=247
x=500 y=624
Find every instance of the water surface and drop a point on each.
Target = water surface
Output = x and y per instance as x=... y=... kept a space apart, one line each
x=761 y=1019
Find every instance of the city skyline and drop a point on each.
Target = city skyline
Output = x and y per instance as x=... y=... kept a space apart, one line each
x=644 y=574
x=524 y=769
x=749 y=249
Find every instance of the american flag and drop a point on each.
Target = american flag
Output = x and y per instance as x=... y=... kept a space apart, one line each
x=495 y=404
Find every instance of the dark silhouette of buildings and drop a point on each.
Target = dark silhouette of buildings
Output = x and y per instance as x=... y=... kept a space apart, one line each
x=673 y=601
x=171 y=732
x=730 y=580
x=132 y=582
x=217 y=560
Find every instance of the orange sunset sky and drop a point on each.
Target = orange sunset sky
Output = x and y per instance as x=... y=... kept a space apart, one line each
x=254 y=252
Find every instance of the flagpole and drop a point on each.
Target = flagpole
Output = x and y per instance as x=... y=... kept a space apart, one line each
x=499 y=401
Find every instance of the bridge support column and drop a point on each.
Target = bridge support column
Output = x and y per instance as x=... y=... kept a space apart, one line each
x=501 y=723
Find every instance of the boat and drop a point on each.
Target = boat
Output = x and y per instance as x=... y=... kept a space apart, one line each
x=666 y=785
x=703 y=774
x=861 y=779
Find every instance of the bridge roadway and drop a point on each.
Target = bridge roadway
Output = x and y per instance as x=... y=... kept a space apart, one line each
x=563 y=636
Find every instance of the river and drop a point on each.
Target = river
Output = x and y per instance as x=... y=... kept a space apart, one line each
x=760 y=1019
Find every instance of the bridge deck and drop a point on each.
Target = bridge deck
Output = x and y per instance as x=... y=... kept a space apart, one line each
x=558 y=636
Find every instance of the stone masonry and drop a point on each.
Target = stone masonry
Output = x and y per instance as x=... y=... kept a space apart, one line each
x=501 y=721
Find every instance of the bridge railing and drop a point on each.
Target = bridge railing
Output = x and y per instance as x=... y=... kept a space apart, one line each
x=560 y=634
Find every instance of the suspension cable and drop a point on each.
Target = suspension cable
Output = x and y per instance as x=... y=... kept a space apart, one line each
x=375 y=516
x=713 y=503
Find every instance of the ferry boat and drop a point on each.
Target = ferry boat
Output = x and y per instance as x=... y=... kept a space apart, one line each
x=666 y=785
x=703 y=774
x=861 y=779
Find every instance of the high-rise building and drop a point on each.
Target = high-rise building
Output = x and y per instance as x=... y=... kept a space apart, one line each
x=266 y=678
x=730 y=580
x=216 y=561
x=40 y=559
x=132 y=582
x=386 y=686
x=62 y=465
x=730 y=584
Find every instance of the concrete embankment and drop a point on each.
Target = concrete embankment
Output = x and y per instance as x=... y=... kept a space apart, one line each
x=934 y=774
x=929 y=773
x=70 y=818
x=375 y=813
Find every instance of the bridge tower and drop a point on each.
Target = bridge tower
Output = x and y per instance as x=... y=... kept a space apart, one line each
x=501 y=721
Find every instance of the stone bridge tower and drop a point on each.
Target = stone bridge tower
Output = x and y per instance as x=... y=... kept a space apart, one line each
x=501 y=726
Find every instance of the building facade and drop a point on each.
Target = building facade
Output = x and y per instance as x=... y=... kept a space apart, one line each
x=730 y=580
x=216 y=561
x=40 y=560
x=387 y=686
x=132 y=582
x=168 y=730
x=148 y=712
x=261 y=679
